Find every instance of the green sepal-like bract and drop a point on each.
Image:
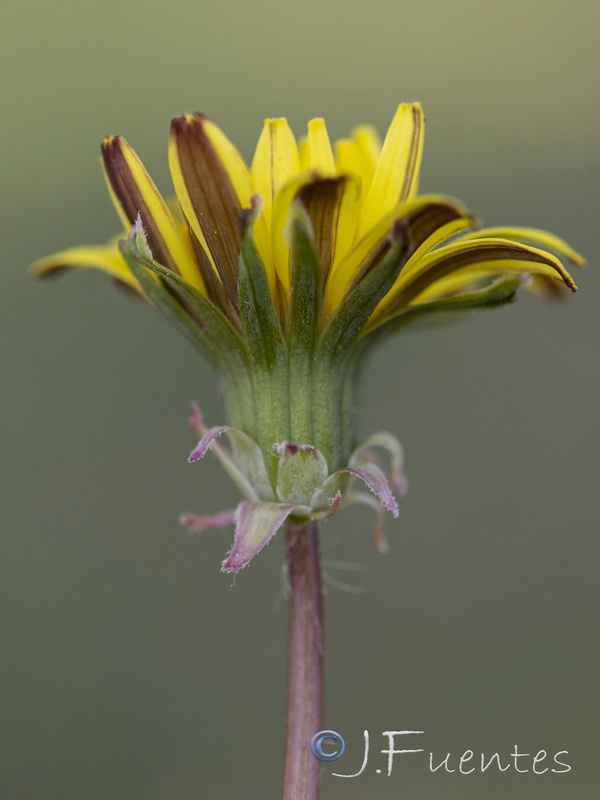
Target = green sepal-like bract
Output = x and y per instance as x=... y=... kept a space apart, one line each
x=306 y=304
x=305 y=313
x=305 y=487
x=302 y=470
x=258 y=317
x=334 y=354
x=158 y=294
x=266 y=346
x=208 y=324
x=349 y=318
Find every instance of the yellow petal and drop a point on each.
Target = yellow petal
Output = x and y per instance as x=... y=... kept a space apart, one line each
x=369 y=143
x=133 y=192
x=206 y=191
x=456 y=283
x=303 y=153
x=350 y=160
x=463 y=282
x=435 y=239
x=397 y=171
x=320 y=154
x=424 y=215
x=347 y=217
x=275 y=162
x=106 y=258
x=263 y=242
x=281 y=212
x=533 y=235
x=468 y=259
x=332 y=205
x=232 y=160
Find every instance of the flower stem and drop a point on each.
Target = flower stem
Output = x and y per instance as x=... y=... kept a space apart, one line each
x=305 y=667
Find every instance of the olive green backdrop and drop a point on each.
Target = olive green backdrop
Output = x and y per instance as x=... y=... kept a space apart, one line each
x=131 y=667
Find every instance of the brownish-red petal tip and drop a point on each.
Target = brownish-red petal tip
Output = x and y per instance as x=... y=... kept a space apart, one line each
x=178 y=123
x=50 y=274
x=184 y=121
x=110 y=144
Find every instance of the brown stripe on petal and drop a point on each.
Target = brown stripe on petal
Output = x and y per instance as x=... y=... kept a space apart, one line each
x=413 y=160
x=52 y=272
x=213 y=203
x=427 y=218
x=421 y=221
x=322 y=200
x=215 y=290
x=132 y=197
x=470 y=254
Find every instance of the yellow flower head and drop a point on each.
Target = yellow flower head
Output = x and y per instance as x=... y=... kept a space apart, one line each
x=354 y=195
x=283 y=275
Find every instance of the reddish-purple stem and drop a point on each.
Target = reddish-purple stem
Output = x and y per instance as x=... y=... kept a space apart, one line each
x=305 y=667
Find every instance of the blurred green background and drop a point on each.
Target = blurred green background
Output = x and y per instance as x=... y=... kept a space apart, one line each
x=131 y=667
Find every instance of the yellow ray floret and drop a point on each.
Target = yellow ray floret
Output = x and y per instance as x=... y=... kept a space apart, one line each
x=106 y=258
x=468 y=258
x=398 y=167
x=209 y=182
x=276 y=161
x=369 y=144
x=353 y=159
x=535 y=236
x=134 y=192
x=320 y=154
x=371 y=246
